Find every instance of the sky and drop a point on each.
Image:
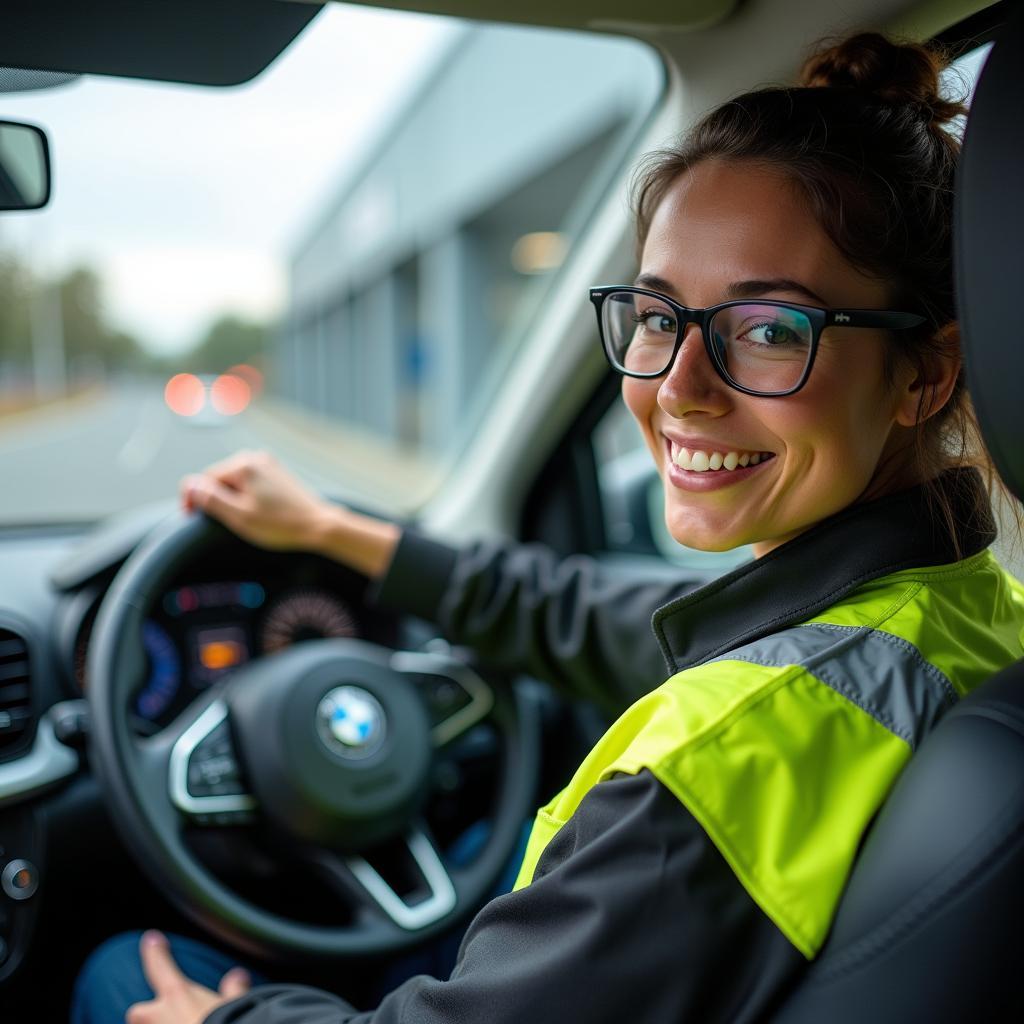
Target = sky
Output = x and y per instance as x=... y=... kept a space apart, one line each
x=189 y=199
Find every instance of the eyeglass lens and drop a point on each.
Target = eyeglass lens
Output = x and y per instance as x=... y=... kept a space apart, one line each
x=764 y=348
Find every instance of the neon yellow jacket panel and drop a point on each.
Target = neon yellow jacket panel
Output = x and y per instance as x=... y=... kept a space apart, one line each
x=784 y=749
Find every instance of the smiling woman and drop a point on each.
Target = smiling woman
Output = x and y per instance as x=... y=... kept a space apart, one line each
x=793 y=366
x=843 y=436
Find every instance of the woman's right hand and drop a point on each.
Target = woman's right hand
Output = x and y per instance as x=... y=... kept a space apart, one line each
x=253 y=495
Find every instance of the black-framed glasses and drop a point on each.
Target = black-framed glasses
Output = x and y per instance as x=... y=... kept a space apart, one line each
x=760 y=347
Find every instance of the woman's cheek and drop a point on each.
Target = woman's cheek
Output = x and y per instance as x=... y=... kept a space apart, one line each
x=641 y=399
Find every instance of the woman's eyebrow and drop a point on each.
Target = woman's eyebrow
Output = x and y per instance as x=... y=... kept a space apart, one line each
x=748 y=289
x=739 y=289
x=655 y=283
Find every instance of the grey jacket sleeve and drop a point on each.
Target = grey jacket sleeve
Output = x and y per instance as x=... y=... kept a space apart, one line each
x=633 y=915
x=570 y=622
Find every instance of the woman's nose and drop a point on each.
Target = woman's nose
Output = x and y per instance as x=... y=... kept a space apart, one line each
x=692 y=383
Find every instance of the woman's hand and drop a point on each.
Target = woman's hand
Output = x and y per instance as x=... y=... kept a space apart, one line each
x=253 y=495
x=177 y=1000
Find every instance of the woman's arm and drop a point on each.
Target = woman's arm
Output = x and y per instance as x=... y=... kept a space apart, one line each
x=520 y=607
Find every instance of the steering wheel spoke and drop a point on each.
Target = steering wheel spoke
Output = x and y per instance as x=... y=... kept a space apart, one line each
x=431 y=894
x=456 y=697
x=203 y=775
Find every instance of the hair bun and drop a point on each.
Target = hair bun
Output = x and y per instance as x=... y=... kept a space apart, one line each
x=893 y=73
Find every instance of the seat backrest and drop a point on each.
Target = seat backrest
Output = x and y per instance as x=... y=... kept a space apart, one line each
x=931 y=926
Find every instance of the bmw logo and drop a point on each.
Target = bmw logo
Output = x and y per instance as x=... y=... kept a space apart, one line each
x=350 y=722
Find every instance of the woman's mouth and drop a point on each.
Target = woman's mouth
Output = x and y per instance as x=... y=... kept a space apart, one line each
x=697 y=460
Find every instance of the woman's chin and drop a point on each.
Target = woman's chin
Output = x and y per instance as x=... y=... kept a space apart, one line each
x=704 y=537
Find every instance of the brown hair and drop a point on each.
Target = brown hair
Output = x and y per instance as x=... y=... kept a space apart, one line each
x=864 y=137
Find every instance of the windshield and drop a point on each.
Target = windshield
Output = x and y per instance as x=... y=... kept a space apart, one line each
x=335 y=262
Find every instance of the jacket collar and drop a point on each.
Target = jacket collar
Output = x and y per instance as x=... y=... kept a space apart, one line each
x=813 y=571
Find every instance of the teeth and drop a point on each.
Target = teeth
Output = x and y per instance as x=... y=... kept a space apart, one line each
x=682 y=458
x=702 y=462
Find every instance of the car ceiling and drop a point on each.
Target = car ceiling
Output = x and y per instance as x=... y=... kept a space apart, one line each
x=230 y=41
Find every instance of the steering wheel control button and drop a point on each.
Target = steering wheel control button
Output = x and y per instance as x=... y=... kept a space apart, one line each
x=19 y=879
x=445 y=697
x=212 y=768
x=205 y=777
x=456 y=698
x=350 y=722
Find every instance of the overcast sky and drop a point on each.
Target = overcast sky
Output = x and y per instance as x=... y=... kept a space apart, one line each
x=189 y=199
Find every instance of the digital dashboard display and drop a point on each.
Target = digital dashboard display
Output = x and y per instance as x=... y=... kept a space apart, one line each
x=215 y=650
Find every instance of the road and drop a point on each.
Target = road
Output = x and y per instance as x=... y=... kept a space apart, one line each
x=110 y=450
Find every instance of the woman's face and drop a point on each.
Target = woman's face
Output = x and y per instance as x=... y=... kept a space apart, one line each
x=841 y=438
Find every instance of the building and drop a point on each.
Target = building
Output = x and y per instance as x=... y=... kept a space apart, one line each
x=416 y=279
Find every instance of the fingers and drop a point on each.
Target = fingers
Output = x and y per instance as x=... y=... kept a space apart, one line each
x=235 y=472
x=158 y=965
x=217 y=500
x=237 y=469
x=139 y=1013
x=235 y=983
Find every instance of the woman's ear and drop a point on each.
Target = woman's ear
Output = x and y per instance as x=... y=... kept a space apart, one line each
x=931 y=378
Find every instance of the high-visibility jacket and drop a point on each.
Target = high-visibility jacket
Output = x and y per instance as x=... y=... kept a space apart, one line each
x=784 y=748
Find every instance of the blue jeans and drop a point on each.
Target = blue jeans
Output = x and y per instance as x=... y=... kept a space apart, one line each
x=111 y=979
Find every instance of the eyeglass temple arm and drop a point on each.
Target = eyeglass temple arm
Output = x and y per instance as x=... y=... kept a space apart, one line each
x=872 y=318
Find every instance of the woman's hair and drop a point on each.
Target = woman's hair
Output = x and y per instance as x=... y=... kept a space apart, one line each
x=864 y=136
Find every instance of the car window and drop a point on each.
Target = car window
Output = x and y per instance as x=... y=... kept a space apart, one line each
x=336 y=261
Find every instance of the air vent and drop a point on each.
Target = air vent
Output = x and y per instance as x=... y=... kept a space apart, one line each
x=15 y=695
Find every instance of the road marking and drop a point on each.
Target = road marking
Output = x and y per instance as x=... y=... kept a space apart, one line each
x=140 y=449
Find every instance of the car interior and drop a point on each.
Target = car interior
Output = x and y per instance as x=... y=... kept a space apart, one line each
x=122 y=798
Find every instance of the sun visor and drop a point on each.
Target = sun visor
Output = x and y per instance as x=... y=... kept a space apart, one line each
x=202 y=42
x=987 y=235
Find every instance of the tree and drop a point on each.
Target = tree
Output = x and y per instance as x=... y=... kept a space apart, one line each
x=15 y=304
x=86 y=329
x=229 y=340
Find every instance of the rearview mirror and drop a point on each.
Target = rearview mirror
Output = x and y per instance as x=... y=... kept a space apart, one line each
x=24 y=167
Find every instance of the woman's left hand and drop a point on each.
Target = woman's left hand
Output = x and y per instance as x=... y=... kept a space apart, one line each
x=177 y=999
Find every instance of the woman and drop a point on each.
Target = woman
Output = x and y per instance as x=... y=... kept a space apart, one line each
x=790 y=353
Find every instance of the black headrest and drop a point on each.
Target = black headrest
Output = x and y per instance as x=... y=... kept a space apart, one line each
x=988 y=244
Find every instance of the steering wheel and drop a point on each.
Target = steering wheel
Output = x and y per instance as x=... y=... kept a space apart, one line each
x=330 y=744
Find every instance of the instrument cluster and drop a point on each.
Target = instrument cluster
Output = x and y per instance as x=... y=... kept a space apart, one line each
x=197 y=632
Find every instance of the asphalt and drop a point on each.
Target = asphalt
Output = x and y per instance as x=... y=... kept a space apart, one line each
x=111 y=449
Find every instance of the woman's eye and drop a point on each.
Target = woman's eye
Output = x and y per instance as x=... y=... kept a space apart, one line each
x=770 y=333
x=655 y=321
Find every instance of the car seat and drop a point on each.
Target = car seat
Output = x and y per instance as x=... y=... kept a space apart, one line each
x=931 y=926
